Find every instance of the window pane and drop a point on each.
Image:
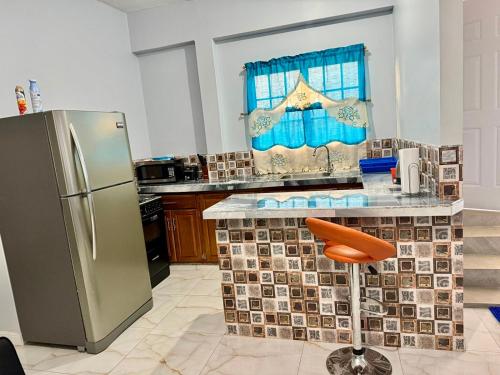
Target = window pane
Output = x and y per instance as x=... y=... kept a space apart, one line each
x=350 y=74
x=317 y=113
x=332 y=77
x=277 y=84
x=261 y=87
x=291 y=79
x=266 y=104
x=351 y=93
x=335 y=95
x=275 y=102
x=316 y=78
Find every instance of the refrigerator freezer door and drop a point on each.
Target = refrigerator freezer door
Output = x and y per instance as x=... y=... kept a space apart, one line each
x=103 y=144
x=116 y=284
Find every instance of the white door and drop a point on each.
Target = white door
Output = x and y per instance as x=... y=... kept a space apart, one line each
x=482 y=104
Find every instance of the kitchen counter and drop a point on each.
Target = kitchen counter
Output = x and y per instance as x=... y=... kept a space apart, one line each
x=276 y=281
x=378 y=198
x=254 y=182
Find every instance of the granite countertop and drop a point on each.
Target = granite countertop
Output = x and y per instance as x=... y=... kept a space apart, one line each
x=255 y=182
x=378 y=198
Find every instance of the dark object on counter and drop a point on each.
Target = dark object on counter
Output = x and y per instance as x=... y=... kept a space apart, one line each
x=159 y=171
x=153 y=224
x=377 y=164
x=204 y=166
x=394 y=175
x=191 y=173
x=9 y=361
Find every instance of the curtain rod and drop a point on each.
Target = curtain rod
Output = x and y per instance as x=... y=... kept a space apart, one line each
x=243 y=114
x=366 y=51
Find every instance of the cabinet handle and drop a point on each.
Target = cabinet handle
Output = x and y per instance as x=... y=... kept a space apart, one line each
x=174 y=223
x=168 y=224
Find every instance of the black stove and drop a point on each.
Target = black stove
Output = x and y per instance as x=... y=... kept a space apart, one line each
x=149 y=204
x=153 y=224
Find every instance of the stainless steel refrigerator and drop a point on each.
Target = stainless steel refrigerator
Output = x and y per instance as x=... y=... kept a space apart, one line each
x=71 y=227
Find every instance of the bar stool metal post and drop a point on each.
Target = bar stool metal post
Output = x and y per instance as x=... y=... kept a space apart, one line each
x=347 y=245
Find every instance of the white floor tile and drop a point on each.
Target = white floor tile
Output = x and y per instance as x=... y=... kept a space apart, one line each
x=251 y=356
x=204 y=320
x=185 y=355
x=176 y=285
x=207 y=287
x=477 y=335
x=491 y=324
x=434 y=362
x=162 y=305
x=212 y=302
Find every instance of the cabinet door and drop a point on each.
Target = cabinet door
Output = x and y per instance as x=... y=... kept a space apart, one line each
x=209 y=226
x=172 y=252
x=186 y=228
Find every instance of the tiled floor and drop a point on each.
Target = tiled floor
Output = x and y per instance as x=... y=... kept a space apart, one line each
x=184 y=335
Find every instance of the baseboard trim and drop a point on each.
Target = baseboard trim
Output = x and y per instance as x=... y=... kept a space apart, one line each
x=15 y=337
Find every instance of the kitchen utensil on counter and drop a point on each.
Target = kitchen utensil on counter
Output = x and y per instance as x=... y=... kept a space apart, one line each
x=410 y=171
x=204 y=166
x=191 y=173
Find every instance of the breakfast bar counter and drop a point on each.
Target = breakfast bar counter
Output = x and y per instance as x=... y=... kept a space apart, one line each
x=276 y=282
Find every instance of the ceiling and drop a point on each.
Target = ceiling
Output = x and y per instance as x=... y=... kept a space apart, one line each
x=133 y=5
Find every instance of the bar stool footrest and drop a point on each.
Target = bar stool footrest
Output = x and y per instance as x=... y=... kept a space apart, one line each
x=381 y=304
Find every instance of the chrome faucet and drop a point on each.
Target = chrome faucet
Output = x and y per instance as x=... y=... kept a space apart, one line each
x=330 y=169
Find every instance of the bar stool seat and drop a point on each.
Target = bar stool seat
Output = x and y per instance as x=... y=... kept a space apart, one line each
x=348 y=245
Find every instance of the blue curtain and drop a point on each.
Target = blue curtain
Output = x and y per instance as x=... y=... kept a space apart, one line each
x=338 y=73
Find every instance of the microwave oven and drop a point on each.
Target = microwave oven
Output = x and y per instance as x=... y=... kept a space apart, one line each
x=159 y=171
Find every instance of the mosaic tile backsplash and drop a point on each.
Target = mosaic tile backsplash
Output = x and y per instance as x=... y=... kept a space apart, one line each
x=230 y=165
x=276 y=283
x=441 y=167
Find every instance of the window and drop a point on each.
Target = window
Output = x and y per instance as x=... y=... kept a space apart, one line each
x=337 y=73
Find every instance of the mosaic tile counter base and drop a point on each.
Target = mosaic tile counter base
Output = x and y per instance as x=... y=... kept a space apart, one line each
x=276 y=283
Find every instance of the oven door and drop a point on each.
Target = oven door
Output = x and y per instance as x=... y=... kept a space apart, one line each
x=154 y=235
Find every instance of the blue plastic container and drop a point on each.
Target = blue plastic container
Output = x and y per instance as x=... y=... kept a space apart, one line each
x=160 y=158
x=377 y=164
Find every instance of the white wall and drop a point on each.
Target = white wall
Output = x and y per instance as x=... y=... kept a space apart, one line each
x=429 y=70
x=79 y=51
x=451 y=29
x=416 y=34
x=202 y=21
x=375 y=32
x=173 y=102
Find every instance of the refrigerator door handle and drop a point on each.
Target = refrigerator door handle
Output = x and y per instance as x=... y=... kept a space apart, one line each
x=88 y=192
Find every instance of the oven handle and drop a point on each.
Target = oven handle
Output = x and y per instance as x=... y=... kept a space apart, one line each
x=152 y=218
x=88 y=192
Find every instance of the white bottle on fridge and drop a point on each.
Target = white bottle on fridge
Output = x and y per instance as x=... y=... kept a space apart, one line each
x=36 y=99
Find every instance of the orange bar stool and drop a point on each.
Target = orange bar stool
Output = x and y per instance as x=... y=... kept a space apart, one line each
x=348 y=245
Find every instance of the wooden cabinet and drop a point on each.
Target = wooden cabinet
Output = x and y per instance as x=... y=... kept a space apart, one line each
x=184 y=228
x=210 y=243
x=192 y=239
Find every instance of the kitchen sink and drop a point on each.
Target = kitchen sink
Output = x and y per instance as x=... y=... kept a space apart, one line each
x=305 y=176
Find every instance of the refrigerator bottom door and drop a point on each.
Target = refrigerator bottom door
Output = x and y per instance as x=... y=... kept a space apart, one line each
x=116 y=284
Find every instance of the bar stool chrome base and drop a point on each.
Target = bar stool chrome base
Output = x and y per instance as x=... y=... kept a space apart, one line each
x=340 y=362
